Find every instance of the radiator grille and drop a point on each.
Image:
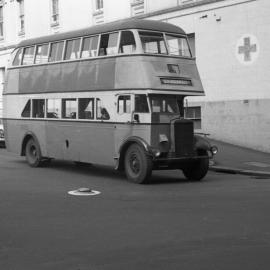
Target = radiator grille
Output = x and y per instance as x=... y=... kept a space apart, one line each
x=184 y=134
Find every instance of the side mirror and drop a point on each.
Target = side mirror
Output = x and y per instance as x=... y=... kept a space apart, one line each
x=136 y=118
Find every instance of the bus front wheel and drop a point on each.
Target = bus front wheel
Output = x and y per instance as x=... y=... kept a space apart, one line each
x=138 y=165
x=197 y=170
x=33 y=153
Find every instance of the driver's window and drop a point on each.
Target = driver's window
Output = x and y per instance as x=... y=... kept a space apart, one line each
x=124 y=105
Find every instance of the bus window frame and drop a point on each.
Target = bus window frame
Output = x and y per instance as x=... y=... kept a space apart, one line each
x=37 y=45
x=124 y=105
x=158 y=32
x=63 y=100
x=179 y=36
x=15 y=53
x=81 y=51
x=63 y=52
x=117 y=44
x=135 y=39
x=34 y=55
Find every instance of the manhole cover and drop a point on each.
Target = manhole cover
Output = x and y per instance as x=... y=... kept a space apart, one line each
x=83 y=192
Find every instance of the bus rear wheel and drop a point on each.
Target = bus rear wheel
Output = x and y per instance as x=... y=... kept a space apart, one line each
x=138 y=165
x=33 y=153
x=197 y=170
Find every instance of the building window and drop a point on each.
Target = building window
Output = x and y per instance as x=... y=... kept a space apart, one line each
x=55 y=12
x=137 y=7
x=1 y=20
x=194 y=114
x=21 y=17
x=99 y=4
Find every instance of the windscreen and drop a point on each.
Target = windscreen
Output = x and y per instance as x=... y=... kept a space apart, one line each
x=160 y=43
x=166 y=104
x=153 y=42
x=178 y=46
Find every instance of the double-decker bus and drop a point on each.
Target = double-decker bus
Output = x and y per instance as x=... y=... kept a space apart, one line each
x=110 y=94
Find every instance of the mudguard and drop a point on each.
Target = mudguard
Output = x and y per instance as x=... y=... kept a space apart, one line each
x=201 y=143
x=124 y=147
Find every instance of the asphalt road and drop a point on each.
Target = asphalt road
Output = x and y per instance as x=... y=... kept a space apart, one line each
x=220 y=223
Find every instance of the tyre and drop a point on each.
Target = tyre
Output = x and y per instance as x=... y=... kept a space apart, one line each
x=197 y=170
x=138 y=165
x=33 y=153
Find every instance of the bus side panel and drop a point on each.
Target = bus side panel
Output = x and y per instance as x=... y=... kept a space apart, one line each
x=12 y=81
x=99 y=74
x=16 y=130
x=77 y=141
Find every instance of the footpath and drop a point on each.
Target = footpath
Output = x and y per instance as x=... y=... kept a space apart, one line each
x=239 y=160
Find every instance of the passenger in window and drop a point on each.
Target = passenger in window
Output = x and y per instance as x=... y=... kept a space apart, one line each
x=104 y=114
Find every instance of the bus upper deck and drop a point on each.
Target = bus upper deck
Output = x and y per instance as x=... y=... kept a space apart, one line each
x=128 y=54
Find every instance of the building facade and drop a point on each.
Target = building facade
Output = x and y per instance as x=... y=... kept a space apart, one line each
x=229 y=38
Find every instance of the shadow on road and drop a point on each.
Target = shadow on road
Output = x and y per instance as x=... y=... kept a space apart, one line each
x=93 y=170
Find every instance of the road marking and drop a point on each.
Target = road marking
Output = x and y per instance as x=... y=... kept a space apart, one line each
x=84 y=192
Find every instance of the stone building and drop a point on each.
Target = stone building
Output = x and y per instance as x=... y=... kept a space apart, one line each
x=229 y=38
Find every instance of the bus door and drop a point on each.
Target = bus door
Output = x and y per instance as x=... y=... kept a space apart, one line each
x=123 y=119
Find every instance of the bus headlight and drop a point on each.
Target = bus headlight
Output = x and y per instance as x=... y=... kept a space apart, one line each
x=214 y=150
x=156 y=152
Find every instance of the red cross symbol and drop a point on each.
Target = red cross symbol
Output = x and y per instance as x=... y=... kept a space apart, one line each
x=247 y=49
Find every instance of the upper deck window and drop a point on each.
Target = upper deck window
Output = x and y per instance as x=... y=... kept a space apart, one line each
x=153 y=42
x=127 y=42
x=56 y=51
x=42 y=54
x=108 y=44
x=178 y=45
x=18 y=58
x=73 y=49
x=28 y=55
x=90 y=47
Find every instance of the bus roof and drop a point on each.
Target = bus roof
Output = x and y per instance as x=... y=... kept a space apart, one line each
x=108 y=27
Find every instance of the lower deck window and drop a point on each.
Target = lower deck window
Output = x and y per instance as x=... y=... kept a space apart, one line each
x=27 y=109
x=53 y=108
x=69 y=108
x=102 y=112
x=38 y=110
x=141 y=105
x=124 y=104
x=86 y=108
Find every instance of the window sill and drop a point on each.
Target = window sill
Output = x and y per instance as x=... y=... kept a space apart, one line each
x=137 y=3
x=21 y=33
x=98 y=12
x=54 y=24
